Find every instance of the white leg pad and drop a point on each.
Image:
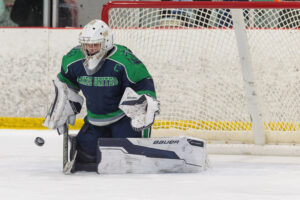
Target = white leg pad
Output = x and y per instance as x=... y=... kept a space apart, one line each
x=152 y=155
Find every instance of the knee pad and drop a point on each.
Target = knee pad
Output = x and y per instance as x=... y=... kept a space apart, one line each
x=81 y=155
x=84 y=157
x=83 y=161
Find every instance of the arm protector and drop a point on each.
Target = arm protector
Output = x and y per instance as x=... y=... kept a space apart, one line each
x=140 y=108
x=66 y=105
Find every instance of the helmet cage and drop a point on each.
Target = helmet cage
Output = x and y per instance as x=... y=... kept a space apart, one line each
x=94 y=33
x=91 y=49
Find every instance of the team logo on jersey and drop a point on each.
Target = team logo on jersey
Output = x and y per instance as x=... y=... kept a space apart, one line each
x=98 y=81
x=116 y=67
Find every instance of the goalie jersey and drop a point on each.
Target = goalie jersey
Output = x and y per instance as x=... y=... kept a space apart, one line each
x=104 y=89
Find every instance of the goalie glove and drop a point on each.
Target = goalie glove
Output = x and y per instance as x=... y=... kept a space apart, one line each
x=140 y=108
x=66 y=105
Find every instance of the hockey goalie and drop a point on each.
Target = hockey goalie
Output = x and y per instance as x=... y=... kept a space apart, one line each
x=121 y=108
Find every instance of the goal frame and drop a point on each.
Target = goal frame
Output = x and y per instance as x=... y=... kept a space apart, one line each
x=194 y=4
x=259 y=136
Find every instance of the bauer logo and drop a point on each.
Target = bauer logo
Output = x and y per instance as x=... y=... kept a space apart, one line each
x=131 y=98
x=166 y=142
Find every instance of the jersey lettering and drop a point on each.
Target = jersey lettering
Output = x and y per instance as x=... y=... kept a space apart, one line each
x=98 y=81
x=85 y=80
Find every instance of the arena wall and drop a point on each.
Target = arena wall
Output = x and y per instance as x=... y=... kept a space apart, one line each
x=31 y=58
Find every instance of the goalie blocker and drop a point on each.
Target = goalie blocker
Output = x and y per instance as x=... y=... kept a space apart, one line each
x=150 y=155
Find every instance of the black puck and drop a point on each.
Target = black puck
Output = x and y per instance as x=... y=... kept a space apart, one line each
x=39 y=141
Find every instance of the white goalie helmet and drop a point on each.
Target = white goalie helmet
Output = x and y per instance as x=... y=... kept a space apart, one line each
x=96 y=39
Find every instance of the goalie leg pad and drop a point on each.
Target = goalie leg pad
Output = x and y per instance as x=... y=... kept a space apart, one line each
x=152 y=155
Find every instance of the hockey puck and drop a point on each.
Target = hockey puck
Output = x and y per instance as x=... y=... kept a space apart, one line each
x=39 y=141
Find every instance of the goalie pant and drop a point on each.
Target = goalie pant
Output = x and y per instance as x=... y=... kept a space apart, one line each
x=89 y=134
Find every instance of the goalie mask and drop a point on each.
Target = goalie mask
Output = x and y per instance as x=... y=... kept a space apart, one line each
x=95 y=39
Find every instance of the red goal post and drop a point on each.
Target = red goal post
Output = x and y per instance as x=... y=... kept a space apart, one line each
x=224 y=71
x=196 y=4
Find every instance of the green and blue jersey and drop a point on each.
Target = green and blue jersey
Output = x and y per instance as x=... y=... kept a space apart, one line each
x=104 y=89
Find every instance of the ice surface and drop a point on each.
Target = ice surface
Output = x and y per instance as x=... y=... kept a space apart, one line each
x=31 y=172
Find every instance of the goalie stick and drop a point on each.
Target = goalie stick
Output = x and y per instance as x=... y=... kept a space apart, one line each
x=67 y=163
x=65 y=145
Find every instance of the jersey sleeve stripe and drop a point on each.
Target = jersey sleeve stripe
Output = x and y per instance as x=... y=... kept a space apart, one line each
x=67 y=81
x=148 y=92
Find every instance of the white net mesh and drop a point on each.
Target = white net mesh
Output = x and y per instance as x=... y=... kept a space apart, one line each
x=193 y=57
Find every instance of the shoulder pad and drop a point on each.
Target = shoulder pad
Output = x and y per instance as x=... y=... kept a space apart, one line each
x=72 y=56
x=134 y=68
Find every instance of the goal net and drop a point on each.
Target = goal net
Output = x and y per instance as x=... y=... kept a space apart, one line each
x=226 y=72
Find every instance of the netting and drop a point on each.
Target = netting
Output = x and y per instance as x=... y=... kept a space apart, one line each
x=193 y=57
